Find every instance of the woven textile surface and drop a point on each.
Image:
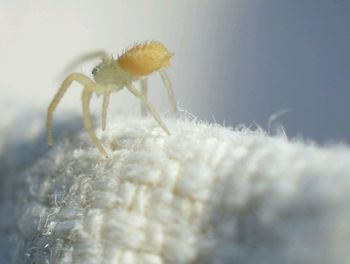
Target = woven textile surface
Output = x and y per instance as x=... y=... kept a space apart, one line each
x=204 y=194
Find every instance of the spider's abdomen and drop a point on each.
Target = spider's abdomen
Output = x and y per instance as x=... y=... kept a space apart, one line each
x=143 y=59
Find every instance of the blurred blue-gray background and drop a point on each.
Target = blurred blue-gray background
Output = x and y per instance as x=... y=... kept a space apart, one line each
x=236 y=61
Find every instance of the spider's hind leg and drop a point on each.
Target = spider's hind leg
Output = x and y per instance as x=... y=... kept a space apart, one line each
x=149 y=106
x=144 y=89
x=169 y=88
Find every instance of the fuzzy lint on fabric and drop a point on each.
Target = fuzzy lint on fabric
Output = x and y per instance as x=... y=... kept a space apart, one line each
x=204 y=194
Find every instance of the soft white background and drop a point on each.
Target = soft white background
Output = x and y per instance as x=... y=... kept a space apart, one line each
x=237 y=61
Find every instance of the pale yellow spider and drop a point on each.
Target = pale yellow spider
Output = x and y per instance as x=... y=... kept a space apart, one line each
x=136 y=63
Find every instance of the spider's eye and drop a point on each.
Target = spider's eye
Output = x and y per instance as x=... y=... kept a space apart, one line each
x=95 y=70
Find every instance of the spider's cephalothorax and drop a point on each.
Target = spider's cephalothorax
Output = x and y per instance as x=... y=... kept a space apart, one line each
x=136 y=63
x=108 y=73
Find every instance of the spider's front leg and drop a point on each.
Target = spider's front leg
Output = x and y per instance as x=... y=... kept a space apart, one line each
x=98 y=54
x=87 y=120
x=105 y=104
x=89 y=87
x=78 y=77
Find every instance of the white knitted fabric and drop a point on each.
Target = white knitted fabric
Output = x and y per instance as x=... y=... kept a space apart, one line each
x=204 y=194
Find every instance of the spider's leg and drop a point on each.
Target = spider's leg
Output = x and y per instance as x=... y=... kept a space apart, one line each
x=148 y=105
x=144 y=89
x=104 y=109
x=87 y=121
x=99 y=54
x=82 y=79
x=169 y=88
